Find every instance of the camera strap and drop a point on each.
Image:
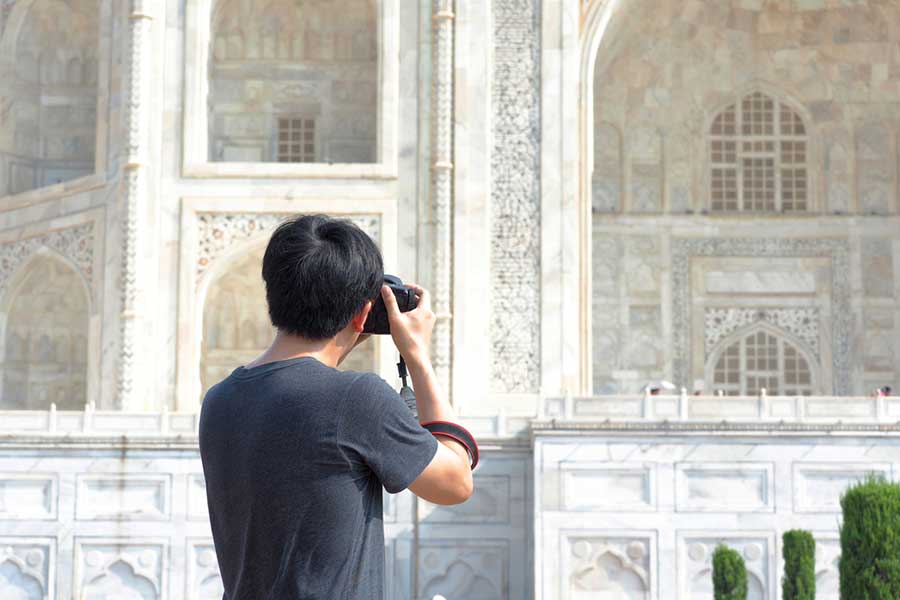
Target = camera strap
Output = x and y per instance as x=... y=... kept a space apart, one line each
x=445 y=428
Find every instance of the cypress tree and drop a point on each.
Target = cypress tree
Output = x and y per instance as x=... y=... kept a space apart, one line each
x=799 y=551
x=729 y=575
x=870 y=541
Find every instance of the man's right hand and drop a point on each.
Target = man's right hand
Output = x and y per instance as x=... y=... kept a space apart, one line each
x=411 y=331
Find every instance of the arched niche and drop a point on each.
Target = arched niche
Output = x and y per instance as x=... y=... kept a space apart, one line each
x=294 y=82
x=45 y=324
x=49 y=68
x=236 y=325
x=762 y=356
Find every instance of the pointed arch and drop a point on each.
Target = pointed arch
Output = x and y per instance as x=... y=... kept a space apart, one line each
x=47 y=49
x=762 y=356
x=759 y=155
x=45 y=325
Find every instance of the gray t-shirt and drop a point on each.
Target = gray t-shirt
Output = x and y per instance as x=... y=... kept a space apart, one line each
x=295 y=455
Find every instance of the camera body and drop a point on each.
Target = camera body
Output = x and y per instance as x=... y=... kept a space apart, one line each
x=377 y=322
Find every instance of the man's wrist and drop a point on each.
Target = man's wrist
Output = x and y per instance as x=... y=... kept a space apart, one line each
x=419 y=359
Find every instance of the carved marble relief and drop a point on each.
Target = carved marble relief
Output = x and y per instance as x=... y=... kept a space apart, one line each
x=515 y=197
x=802 y=322
x=606 y=178
x=828 y=557
x=24 y=569
x=294 y=82
x=56 y=48
x=839 y=173
x=607 y=568
x=45 y=341
x=875 y=164
x=74 y=243
x=219 y=232
x=204 y=581
x=459 y=569
x=877 y=267
x=696 y=565
x=837 y=250
x=645 y=174
x=119 y=569
x=678 y=167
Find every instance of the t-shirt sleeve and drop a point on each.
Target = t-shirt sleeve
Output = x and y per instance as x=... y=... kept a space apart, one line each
x=378 y=430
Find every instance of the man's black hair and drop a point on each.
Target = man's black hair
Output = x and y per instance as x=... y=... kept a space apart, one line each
x=319 y=273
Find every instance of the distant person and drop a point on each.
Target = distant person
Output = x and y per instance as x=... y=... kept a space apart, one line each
x=886 y=390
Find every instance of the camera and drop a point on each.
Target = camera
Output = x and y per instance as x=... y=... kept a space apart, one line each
x=377 y=322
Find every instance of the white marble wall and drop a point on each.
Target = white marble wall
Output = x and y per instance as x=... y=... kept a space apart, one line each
x=627 y=514
x=87 y=513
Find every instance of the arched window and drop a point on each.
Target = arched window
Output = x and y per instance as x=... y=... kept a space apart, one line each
x=294 y=81
x=47 y=135
x=758 y=157
x=760 y=360
x=236 y=326
x=45 y=340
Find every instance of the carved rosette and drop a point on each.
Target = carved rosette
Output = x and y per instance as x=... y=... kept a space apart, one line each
x=802 y=322
x=219 y=232
x=515 y=198
x=74 y=243
x=837 y=250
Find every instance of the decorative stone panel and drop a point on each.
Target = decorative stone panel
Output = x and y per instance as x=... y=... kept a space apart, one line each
x=120 y=497
x=455 y=569
x=802 y=322
x=877 y=268
x=608 y=567
x=75 y=243
x=818 y=486
x=721 y=487
x=218 y=232
x=27 y=567
x=119 y=568
x=695 y=564
x=684 y=249
x=515 y=197
x=203 y=579
x=874 y=155
x=31 y=497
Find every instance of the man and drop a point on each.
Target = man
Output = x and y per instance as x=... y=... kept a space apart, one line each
x=296 y=452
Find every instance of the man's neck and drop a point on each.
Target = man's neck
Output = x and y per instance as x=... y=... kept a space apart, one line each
x=286 y=346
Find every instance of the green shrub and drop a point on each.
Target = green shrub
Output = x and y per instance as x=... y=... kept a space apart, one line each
x=799 y=551
x=729 y=575
x=870 y=541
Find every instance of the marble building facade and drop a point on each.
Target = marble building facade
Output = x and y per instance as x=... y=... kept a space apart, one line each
x=598 y=192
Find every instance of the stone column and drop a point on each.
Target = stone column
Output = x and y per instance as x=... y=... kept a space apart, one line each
x=133 y=200
x=442 y=184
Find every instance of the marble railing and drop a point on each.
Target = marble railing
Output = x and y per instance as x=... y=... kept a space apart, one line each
x=634 y=409
x=711 y=410
x=175 y=427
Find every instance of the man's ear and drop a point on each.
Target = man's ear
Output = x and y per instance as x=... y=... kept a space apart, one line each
x=359 y=321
